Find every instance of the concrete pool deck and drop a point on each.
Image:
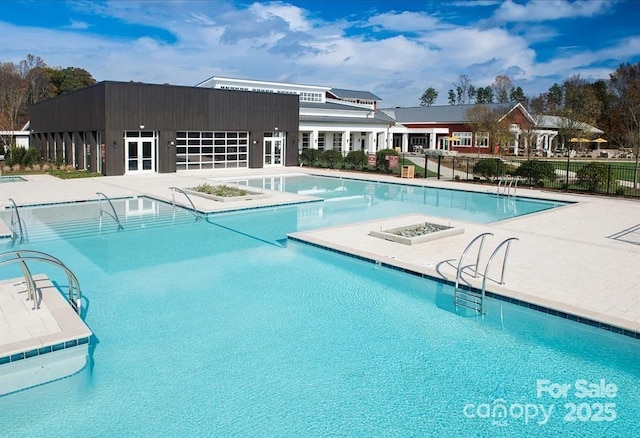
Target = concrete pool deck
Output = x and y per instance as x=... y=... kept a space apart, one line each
x=565 y=258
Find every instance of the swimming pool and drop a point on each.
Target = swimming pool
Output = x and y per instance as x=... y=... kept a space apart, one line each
x=213 y=328
x=8 y=179
x=358 y=200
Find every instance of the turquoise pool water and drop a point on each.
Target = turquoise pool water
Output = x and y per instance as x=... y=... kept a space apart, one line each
x=212 y=328
x=361 y=200
x=8 y=179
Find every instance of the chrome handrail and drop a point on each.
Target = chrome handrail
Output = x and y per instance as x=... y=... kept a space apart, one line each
x=504 y=264
x=196 y=213
x=114 y=216
x=15 y=220
x=22 y=256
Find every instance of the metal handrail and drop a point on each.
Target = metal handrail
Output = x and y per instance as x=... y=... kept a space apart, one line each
x=113 y=215
x=15 y=220
x=196 y=213
x=480 y=237
x=75 y=299
x=504 y=264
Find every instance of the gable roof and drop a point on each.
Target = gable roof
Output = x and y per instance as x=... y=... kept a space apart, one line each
x=444 y=113
x=341 y=93
x=557 y=122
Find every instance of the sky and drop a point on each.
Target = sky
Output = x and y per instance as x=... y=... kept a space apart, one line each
x=393 y=49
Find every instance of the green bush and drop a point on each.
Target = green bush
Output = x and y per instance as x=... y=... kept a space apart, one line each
x=594 y=176
x=490 y=168
x=382 y=163
x=15 y=155
x=332 y=158
x=536 y=171
x=31 y=157
x=309 y=157
x=357 y=159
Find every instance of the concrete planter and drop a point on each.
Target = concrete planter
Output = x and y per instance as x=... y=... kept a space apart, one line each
x=417 y=233
x=249 y=196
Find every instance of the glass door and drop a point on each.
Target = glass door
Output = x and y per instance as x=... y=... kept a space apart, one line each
x=140 y=152
x=273 y=150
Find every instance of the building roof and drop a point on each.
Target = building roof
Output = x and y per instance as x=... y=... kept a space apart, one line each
x=557 y=122
x=346 y=119
x=341 y=93
x=439 y=113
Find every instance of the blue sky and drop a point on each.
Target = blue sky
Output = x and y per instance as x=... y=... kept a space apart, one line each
x=394 y=49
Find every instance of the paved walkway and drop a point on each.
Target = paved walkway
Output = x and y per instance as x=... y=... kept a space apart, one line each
x=565 y=258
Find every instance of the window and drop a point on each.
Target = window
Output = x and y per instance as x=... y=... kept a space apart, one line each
x=337 y=141
x=482 y=139
x=321 y=141
x=463 y=139
x=211 y=150
x=306 y=140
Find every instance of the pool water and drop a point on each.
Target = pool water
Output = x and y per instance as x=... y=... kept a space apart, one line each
x=356 y=200
x=8 y=179
x=211 y=329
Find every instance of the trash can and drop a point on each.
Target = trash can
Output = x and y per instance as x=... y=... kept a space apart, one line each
x=407 y=171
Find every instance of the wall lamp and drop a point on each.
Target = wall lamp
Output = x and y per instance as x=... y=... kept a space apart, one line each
x=115 y=144
x=170 y=143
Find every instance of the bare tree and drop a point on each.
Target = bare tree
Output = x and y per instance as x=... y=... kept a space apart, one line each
x=13 y=94
x=502 y=88
x=625 y=86
x=33 y=70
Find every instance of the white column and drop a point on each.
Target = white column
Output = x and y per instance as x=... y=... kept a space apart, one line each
x=405 y=142
x=313 y=139
x=346 y=138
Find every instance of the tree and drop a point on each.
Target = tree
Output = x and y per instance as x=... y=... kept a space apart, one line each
x=70 y=79
x=625 y=87
x=484 y=95
x=452 y=97
x=517 y=95
x=32 y=69
x=428 y=97
x=13 y=95
x=502 y=87
x=482 y=119
x=464 y=90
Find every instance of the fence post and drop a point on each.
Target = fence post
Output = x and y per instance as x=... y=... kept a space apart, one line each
x=608 y=178
x=567 y=172
x=467 y=168
x=426 y=161
x=439 y=160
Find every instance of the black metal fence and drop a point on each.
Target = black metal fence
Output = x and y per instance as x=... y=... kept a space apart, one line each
x=620 y=178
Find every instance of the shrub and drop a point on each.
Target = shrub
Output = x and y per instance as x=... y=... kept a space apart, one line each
x=536 y=171
x=15 y=155
x=31 y=157
x=357 y=159
x=594 y=176
x=490 y=168
x=382 y=163
x=309 y=157
x=331 y=157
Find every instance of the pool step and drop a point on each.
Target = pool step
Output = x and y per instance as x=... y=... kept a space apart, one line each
x=71 y=229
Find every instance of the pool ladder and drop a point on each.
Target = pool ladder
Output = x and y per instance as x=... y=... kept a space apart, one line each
x=23 y=256
x=111 y=213
x=469 y=297
x=16 y=220
x=506 y=184
x=196 y=213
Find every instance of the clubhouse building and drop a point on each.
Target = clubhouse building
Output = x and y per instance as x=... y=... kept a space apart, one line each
x=118 y=128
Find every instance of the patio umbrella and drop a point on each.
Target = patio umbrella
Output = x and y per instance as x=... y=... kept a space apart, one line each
x=599 y=140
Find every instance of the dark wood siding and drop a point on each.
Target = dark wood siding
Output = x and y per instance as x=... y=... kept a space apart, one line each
x=115 y=107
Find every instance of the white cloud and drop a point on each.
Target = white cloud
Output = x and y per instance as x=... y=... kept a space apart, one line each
x=532 y=11
x=78 y=25
x=405 y=22
x=281 y=42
